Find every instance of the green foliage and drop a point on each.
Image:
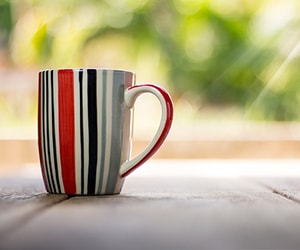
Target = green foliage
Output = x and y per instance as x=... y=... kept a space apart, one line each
x=5 y=22
x=216 y=53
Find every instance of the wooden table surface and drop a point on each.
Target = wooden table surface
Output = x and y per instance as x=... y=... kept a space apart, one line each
x=166 y=204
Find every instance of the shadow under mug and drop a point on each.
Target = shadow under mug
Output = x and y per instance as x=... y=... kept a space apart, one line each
x=85 y=129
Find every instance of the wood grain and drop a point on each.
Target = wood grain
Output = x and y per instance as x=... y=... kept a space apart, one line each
x=286 y=187
x=166 y=213
x=164 y=205
x=21 y=199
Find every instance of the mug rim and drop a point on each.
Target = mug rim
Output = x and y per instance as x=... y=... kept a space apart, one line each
x=85 y=69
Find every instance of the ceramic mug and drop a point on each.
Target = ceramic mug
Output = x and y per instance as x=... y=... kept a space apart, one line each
x=85 y=129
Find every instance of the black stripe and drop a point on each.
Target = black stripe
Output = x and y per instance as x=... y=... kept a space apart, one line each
x=53 y=134
x=92 y=125
x=81 y=129
x=47 y=153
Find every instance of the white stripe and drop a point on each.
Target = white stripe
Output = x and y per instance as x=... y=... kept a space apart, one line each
x=99 y=125
x=109 y=89
x=77 y=132
x=56 y=118
x=85 y=131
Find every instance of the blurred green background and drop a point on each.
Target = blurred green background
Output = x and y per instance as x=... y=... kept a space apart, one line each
x=220 y=59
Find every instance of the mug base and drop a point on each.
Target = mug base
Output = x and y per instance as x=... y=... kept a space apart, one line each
x=92 y=195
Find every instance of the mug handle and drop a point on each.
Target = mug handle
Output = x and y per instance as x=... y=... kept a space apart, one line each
x=131 y=94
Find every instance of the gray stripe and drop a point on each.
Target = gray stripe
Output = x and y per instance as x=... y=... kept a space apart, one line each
x=85 y=131
x=117 y=130
x=103 y=132
x=109 y=114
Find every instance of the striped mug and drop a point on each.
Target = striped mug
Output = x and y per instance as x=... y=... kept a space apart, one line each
x=85 y=129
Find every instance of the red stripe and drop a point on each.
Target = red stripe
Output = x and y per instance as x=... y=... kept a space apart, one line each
x=40 y=132
x=66 y=129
